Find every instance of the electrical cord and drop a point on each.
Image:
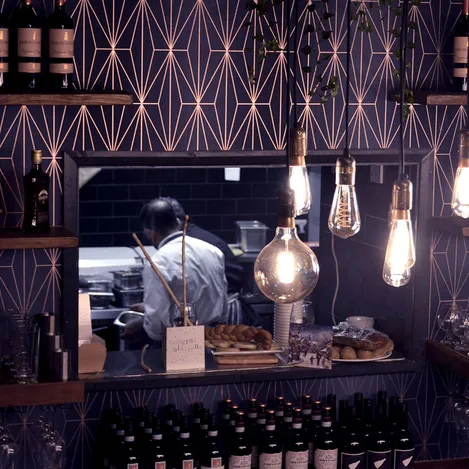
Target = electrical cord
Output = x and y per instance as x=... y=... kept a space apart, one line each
x=403 y=57
x=347 y=67
x=336 y=293
x=295 y=63
x=287 y=98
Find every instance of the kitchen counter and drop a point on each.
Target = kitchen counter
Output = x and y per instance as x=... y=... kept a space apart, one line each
x=122 y=371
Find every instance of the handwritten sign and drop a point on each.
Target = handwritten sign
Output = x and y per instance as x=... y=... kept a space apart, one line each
x=184 y=348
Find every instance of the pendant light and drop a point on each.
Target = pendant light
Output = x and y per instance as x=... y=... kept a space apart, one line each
x=287 y=270
x=460 y=199
x=400 y=251
x=344 y=217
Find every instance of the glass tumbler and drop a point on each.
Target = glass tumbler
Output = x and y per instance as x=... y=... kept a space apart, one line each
x=178 y=317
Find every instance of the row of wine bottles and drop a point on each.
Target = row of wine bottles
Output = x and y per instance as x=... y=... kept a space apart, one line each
x=289 y=437
x=27 y=43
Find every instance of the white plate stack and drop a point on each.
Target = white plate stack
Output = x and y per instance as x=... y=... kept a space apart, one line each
x=284 y=315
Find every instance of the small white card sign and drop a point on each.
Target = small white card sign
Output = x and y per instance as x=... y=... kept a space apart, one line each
x=184 y=348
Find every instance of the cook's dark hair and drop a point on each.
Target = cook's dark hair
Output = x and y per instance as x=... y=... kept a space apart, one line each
x=158 y=215
x=177 y=207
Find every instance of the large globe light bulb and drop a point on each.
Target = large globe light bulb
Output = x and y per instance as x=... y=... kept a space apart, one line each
x=460 y=198
x=298 y=174
x=286 y=270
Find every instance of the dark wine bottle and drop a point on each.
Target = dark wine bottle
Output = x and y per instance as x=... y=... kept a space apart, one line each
x=383 y=400
x=210 y=455
x=378 y=445
x=332 y=403
x=279 y=408
x=60 y=30
x=352 y=454
x=225 y=423
x=4 y=51
x=270 y=447
x=460 y=59
x=287 y=419
x=403 y=443
x=368 y=418
x=358 y=404
x=28 y=34
x=252 y=413
x=257 y=434
x=36 y=196
x=156 y=456
x=118 y=443
x=195 y=427
x=393 y=416
x=326 y=450
x=146 y=437
x=296 y=448
x=315 y=430
x=343 y=416
x=129 y=458
x=169 y=410
x=239 y=449
x=306 y=410
x=107 y=436
x=184 y=457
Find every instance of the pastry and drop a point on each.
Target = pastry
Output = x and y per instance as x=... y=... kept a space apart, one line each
x=381 y=352
x=336 y=352
x=209 y=344
x=245 y=346
x=365 y=354
x=363 y=339
x=221 y=343
x=348 y=353
x=240 y=333
x=227 y=350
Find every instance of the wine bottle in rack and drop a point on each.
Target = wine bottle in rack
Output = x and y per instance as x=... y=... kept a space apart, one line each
x=460 y=57
x=211 y=455
x=352 y=453
x=4 y=50
x=270 y=447
x=378 y=444
x=156 y=456
x=239 y=449
x=60 y=31
x=403 y=443
x=326 y=451
x=28 y=34
x=296 y=448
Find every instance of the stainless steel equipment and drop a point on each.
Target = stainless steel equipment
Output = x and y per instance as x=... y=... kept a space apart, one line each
x=127 y=279
x=251 y=235
x=98 y=283
x=127 y=298
x=100 y=299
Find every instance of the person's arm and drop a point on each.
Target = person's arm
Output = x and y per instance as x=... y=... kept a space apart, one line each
x=158 y=305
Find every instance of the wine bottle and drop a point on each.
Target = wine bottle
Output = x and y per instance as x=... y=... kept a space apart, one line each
x=60 y=29
x=4 y=50
x=378 y=445
x=129 y=458
x=257 y=434
x=169 y=410
x=107 y=435
x=352 y=454
x=343 y=416
x=239 y=449
x=460 y=59
x=146 y=437
x=358 y=404
x=326 y=450
x=287 y=419
x=383 y=400
x=28 y=33
x=118 y=443
x=156 y=456
x=252 y=413
x=195 y=427
x=306 y=410
x=279 y=408
x=296 y=447
x=270 y=446
x=184 y=457
x=403 y=443
x=368 y=418
x=332 y=403
x=36 y=196
x=211 y=455
x=315 y=430
x=225 y=423
x=393 y=415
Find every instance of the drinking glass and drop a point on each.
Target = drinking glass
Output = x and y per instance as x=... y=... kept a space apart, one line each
x=25 y=348
x=460 y=328
x=446 y=316
x=178 y=317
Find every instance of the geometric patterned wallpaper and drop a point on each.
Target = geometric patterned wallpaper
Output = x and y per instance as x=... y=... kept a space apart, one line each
x=187 y=66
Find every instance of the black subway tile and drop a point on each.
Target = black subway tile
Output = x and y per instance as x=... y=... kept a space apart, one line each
x=127 y=208
x=234 y=190
x=88 y=192
x=129 y=176
x=114 y=225
x=89 y=225
x=265 y=191
x=221 y=207
x=251 y=207
x=257 y=175
x=95 y=240
x=144 y=192
x=206 y=191
x=215 y=175
x=95 y=209
x=105 y=176
x=114 y=192
x=123 y=239
x=160 y=176
x=191 y=175
x=182 y=191
x=209 y=223
x=195 y=207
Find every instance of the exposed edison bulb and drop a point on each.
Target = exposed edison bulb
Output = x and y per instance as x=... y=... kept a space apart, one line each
x=400 y=251
x=286 y=270
x=460 y=198
x=298 y=173
x=344 y=217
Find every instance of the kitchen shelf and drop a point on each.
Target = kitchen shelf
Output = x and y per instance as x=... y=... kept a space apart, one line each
x=451 y=224
x=15 y=395
x=443 y=464
x=441 y=98
x=448 y=358
x=75 y=98
x=56 y=238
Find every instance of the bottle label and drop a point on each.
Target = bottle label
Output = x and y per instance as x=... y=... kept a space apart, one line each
x=240 y=462
x=29 y=42
x=160 y=465
x=270 y=461
x=132 y=466
x=296 y=460
x=3 y=42
x=403 y=458
x=214 y=463
x=353 y=461
x=187 y=464
x=310 y=453
x=326 y=458
x=460 y=49
x=255 y=457
x=157 y=436
x=239 y=429
x=379 y=459
x=61 y=69
x=29 y=67
x=61 y=43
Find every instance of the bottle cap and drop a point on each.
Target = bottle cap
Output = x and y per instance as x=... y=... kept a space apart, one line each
x=297 y=146
x=36 y=155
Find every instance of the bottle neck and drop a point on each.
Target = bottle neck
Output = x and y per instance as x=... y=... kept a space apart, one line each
x=465 y=8
x=37 y=166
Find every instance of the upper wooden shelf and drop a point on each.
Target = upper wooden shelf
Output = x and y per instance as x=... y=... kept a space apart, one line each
x=443 y=464
x=454 y=225
x=15 y=238
x=448 y=358
x=441 y=98
x=75 y=98
x=66 y=392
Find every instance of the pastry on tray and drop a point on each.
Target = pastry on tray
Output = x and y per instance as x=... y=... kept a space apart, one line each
x=241 y=337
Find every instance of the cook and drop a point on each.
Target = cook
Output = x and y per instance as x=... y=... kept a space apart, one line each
x=206 y=283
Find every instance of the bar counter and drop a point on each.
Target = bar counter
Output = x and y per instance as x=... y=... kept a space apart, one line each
x=122 y=371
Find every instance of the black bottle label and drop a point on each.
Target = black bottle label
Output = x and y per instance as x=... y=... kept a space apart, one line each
x=379 y=459
x=353 y=461
x=404 y=458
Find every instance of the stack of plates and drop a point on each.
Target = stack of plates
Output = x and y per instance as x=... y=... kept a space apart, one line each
x=284 y=315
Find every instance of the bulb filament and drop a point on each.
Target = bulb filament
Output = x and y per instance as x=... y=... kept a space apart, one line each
x=344 y=214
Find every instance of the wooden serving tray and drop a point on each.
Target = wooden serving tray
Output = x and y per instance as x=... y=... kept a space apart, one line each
x=247 y=359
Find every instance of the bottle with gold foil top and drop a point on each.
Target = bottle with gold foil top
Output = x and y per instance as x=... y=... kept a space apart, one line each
x=460 y=57
x=36 y=196
x=4 y=51
x=28 y=35
x=60 y=32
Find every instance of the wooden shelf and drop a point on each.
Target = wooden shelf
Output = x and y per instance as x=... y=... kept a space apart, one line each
x=454 y=225
x=441 y=98
x=56 y=238
x=448 y=358
x=443 y=464
x=76 y=98
x=15 y=395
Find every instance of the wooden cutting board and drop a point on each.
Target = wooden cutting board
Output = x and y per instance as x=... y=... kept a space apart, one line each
x=247 y=360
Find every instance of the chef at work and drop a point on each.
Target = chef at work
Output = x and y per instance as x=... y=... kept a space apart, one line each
x=205 y=275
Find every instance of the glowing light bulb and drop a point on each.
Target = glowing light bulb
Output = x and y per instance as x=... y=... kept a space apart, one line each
x=400 y=251
x=344 y=217
x=460 y=198
x=286 y=270
x=298 y=174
